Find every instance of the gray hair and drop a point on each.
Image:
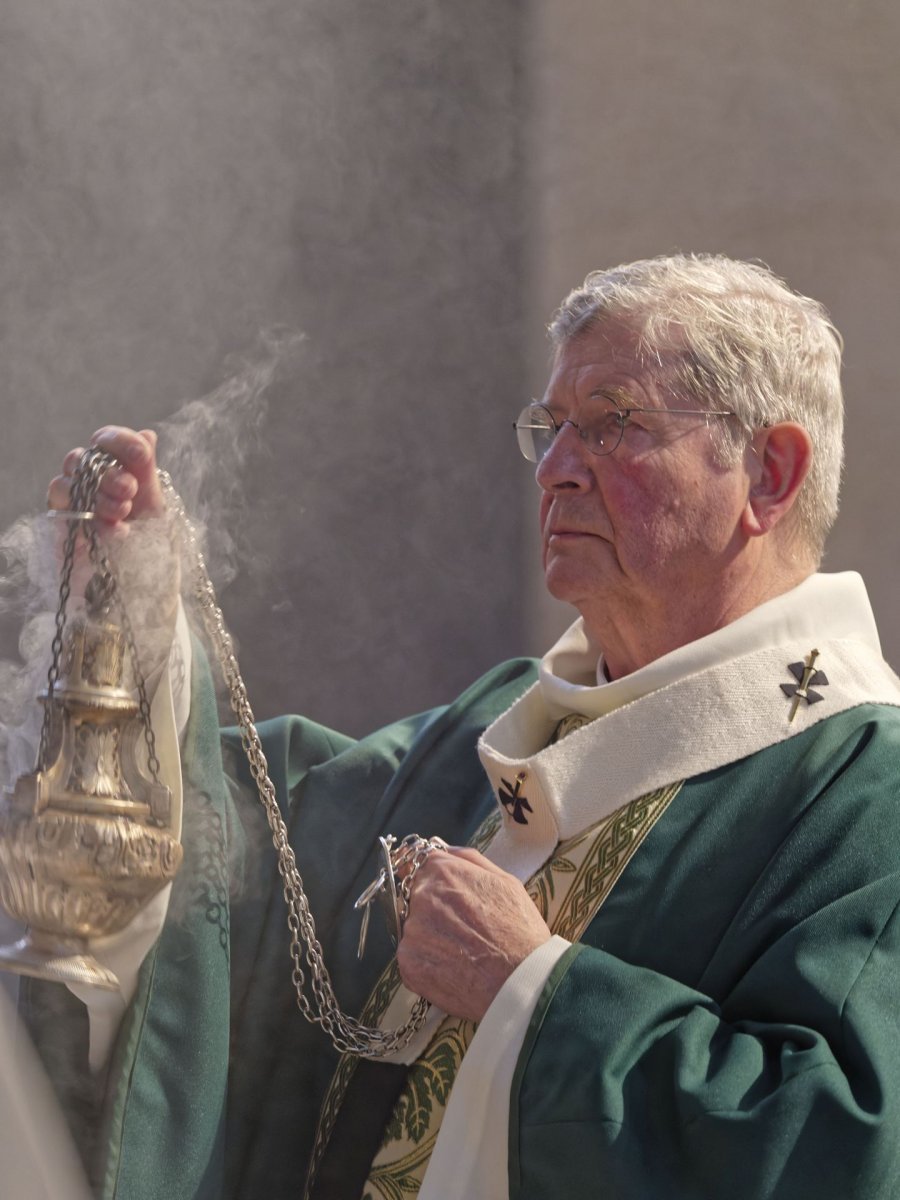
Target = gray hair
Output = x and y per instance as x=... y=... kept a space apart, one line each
x=727 y=334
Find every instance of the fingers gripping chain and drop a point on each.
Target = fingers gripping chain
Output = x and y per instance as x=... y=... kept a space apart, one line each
x=391 y=887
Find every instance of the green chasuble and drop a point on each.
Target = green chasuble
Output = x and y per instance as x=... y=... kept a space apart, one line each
x=730 y=1025
x=727 y=1027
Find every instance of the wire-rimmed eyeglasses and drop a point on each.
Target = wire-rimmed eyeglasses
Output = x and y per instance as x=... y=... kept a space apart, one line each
x=537 y=428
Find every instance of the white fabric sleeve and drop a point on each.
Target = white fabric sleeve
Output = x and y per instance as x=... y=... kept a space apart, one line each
x=470 y=1156
x=124 y=952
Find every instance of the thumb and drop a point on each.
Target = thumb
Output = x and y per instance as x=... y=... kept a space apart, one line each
x=149 y=499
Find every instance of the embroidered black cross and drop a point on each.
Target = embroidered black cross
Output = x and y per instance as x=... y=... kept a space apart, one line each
x=512 y=800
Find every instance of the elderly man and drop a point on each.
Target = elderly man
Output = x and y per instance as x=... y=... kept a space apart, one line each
x=665 y=963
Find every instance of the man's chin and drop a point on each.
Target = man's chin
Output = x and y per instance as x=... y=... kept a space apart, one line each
x=565 y=583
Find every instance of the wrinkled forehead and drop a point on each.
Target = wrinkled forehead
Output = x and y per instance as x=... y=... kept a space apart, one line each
x=608 y=350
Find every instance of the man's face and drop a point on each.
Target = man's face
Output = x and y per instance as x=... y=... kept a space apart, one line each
x=647 y=533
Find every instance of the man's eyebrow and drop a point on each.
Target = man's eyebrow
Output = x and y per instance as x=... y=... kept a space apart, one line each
x=618 y=395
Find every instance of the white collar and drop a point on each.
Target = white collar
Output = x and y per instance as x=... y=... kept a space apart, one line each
x=705 y=705
x=822 y=606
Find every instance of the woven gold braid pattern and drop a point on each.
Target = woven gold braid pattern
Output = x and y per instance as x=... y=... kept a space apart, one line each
x=613 y=842
x=569 y=890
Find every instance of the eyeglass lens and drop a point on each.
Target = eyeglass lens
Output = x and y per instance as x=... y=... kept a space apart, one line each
x=536 y=432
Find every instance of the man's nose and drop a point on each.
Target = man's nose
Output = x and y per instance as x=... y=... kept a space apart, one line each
x=567 y=461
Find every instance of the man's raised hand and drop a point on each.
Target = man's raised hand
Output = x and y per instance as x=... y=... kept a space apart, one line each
x=130 y=490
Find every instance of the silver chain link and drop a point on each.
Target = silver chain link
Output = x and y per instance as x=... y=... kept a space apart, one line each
x=347 y=1034
x=86 y=480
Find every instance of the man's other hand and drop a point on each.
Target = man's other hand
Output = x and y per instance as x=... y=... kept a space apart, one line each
x=470 y=924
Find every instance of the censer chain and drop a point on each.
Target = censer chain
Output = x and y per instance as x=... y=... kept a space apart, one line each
x=347 y=1034
x=88 y=474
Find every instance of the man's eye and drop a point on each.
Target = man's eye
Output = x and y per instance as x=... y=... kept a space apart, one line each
x=611 y=419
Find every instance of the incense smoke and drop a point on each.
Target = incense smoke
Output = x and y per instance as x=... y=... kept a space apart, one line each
x=205 y=446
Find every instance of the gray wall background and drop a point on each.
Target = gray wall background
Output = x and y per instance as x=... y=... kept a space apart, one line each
x=411 y=186
x=768 y=130
x=178 y=176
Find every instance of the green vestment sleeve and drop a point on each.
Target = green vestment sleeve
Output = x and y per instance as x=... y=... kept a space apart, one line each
x=730 y=1028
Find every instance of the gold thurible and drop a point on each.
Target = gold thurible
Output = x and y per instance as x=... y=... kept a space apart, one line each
x=85 y=839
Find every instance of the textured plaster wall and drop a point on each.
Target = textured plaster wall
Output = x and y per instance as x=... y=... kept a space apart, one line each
x=176 y=177
x=765 y=131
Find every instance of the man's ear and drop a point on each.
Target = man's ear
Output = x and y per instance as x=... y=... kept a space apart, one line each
x=779 y=460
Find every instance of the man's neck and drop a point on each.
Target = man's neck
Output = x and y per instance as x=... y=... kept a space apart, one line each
x=632 y=641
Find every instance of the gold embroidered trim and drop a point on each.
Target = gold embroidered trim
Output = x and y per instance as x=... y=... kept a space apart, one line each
x=425 y=1093
x=618 y=837
x=591 y=863
x=569 y=889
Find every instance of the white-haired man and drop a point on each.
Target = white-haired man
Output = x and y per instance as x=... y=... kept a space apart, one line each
x=669 y=967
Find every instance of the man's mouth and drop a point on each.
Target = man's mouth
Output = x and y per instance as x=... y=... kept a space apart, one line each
x=568 y=531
